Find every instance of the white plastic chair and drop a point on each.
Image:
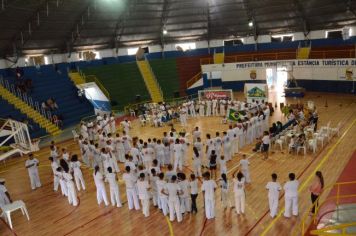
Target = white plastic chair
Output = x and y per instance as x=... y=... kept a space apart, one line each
x=16 y=205
x=280 y=141
x=336 y=130
x=325 y=128
x=320 y=138
x=312 y=145
x=302 y=147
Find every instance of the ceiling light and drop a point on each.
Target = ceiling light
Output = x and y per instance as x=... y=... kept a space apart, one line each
x=165 y=31
x=250 y=23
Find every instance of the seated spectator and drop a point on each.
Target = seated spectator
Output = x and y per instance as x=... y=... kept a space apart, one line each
x=57 y=120
x=44 y=106
x=28 y=85
x=51 y=103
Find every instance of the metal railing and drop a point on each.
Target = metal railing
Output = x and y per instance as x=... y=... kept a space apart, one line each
x=153 y=75
x=26 y=99
x=194 y=79
x=93 y=78
x=307 y=220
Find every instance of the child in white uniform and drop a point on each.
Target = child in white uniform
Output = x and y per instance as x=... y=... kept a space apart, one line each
x=208 y=188
x=197 y=162
x=32 y=167
x=142 y=188
x=273 y=188
x=245 y=168
x=78 y=175
x=227 y=146
x=291 y=196
x=239 y=191
x=114 y=188
x=100 y=187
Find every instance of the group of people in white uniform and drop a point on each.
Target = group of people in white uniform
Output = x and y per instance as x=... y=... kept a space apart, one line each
x=171 y=191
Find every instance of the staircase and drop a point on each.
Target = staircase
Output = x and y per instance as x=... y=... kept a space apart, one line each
x=29 y=111
x=76 y=78
x=150 y=81
x=303 y=52
x=219 y=58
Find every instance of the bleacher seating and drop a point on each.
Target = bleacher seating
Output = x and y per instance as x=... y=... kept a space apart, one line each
x=123 y=82
x=166 y=74
x=9 y=111
x=47 y=83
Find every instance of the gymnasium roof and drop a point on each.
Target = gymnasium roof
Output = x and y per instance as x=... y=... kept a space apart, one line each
x=37 y=26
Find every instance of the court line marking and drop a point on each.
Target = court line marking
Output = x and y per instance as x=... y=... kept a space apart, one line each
x=324 y=159
x=170 y=227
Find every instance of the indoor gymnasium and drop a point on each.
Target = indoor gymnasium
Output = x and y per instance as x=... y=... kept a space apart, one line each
x=177 y=117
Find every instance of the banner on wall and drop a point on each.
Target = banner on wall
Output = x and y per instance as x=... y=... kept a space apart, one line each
x=256 y=92
x=215 y=94
x=319 y=69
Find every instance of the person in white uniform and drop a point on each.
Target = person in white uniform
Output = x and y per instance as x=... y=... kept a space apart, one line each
x=68 y=178
x=239 y=191
x=225 y=187
x=112 y=123
x=244 y=163
x=197 y=162
x=131 y=193
x=54 y=166
x=217 y=145
x=208 y=188
x=209 y=147
x=226 y=141
x=291 y=196
x=78 y=175
x=196 y=134
x=208 y=107
x=32 y=168
x=62 y=183
x=215 y=107
x=126 y=125
x=143 y=187
x=112 y=179
x=185 y=205
x=201 y=108
x=100 y=187
x=273 y=188
x=178 y=155
x=162 y=198
x=172 y=190
x=5 y=197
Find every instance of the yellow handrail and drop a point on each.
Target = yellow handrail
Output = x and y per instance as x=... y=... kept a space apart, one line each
x=324 y=231
x=194 y=79
x=93 y=78
x=305 y=217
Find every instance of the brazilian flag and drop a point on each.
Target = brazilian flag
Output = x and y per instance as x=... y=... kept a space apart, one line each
x=235 y=115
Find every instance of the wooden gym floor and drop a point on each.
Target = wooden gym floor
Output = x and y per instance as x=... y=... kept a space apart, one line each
x=50 y=213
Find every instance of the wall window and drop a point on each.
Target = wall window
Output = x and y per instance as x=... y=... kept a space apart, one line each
x=282 y=38
x=233 y=42
x=131 y=51
x=185 y=46
x=333 y=34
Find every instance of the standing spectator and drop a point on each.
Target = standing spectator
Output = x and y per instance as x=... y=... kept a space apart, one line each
x=316 y=189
